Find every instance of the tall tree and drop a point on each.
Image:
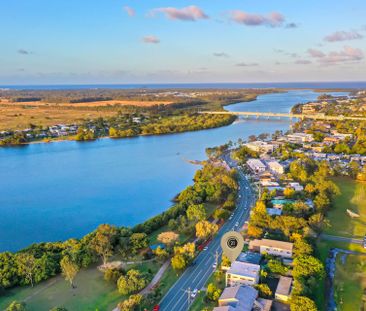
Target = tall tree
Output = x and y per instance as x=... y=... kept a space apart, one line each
x=27 y=266
x=205 y=229
x=196 y=212
x=69 y=270
x=103 y=241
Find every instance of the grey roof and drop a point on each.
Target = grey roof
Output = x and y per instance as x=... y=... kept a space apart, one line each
x=244 y=269
x=250 y=257
x=225 y=308
x=245 y=297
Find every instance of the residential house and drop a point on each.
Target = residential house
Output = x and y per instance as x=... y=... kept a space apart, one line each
x=256 y=165
x=276 y=167
x=296 y=186
x=299 y=138
x=272 y=247
x=238 y=298
x=274 y=211
x=260 y=146
x=242 y=273
x=283 y=290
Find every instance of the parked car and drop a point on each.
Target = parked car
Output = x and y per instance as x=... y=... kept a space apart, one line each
x=194 y=293
x=156 y=308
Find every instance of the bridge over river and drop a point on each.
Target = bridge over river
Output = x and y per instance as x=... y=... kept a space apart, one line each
x=317 y=116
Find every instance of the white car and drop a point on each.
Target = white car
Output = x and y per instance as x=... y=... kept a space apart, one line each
x=194 y=293
x=205 y=248
x=236 y=224
x=214 y=266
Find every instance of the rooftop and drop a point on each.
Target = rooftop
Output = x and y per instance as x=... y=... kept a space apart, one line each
x=250 y=257
x=284 y=286
x=245 y=297
x=244 y=269
x=271 y=243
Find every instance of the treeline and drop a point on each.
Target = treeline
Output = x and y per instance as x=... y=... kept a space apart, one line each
x=173 y=124
x=300 y=223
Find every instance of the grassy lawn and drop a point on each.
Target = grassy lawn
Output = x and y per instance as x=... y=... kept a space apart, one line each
x=92 y=292
x=350 y=282
x=353 y=197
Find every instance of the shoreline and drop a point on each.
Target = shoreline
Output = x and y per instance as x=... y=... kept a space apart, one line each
x=65 y=140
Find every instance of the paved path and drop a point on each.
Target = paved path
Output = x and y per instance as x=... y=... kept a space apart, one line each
x=154 y=281
x=196 y=276
x=156 y=278
x=341 y=239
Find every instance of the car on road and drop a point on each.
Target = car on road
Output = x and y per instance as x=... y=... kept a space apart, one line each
x=236 y=224
x=194 y=293
x=156 y=308
x=214 y=266
x=205 y=248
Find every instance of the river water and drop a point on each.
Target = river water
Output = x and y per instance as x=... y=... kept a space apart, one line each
x=56 y=191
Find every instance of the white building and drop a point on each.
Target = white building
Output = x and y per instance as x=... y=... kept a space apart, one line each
x=242 y=273
x=300 y=138
x=260 y=146
x=276 y=167
x=272 y=247
x=296 y=186
x=257 y=166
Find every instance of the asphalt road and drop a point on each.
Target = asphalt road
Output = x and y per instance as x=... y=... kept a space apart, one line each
x=197 y=275
x=341 y=239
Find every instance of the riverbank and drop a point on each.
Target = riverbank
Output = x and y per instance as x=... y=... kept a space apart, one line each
x=111 y=181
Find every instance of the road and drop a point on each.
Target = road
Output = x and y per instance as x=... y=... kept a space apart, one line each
x=197 y=275
x=341 y=239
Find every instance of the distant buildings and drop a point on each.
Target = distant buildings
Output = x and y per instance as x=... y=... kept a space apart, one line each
x=257 y=166
x=260 y=146
x=272 y=247
x=276 y=167
x=299 y=138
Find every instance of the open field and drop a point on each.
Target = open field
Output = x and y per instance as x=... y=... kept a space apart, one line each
x=92 y=292
x=101 y=103
x=353 y=197
x=350 y=282
x=323 y=248
x=20 y=117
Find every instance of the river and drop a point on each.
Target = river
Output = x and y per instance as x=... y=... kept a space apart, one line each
x=56 y=191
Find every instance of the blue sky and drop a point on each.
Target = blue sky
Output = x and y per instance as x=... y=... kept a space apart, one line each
x=156 y=41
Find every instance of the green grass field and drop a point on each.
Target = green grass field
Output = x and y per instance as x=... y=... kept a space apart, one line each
x=92 y=292
x=348 y=281
x=323 y=248
x=353 y=197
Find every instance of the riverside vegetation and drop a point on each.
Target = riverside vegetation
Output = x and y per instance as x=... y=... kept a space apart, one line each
x=28 y=116
x=190 y=217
